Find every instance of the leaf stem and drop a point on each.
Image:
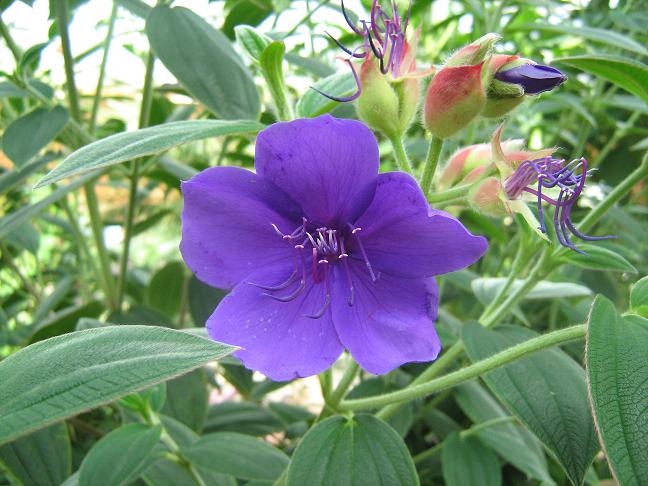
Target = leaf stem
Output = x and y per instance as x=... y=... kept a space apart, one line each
x=402 y=160
x=431 y=162
x=102 y=69
x=469 y=372
x=62 y=17
x=145 y=113
x=475 y=429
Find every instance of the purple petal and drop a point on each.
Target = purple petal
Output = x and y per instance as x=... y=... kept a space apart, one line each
x=391 y=321
x=227 y=224
x=403 y=236
x=277 y=337
x=327 y=165
x=534 y=78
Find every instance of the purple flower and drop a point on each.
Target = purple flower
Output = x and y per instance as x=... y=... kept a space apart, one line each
x=533 y=78
x=321 y=251
x=550 y=173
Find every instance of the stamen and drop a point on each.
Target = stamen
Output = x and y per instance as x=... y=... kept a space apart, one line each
x=327 y=297
x=348 y=20
x=346 y=49
x=344 y=99
x=354 y=231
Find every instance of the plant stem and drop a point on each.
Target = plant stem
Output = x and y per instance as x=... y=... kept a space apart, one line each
x=431 y=162
x=402 y=160
x=16 y=51
x=97 y=232
x=102 y=69
x=305 y=19
x=73 y=95
x=145 y=112
x=475 y=429
x=10 y=262
x=344 y=384
x=469 y=372
x=450 y=194
x=431 y=452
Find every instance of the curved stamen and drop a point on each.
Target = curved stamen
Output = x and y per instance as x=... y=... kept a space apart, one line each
x=343 y=99
x=355 y=231
x=348 y=20
x=346 y=49
x=280 y=286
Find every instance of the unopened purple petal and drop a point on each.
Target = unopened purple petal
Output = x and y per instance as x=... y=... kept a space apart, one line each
x=403 y=236
x=391 y=321
x=277 y=338
x=327 y=165
x=534 y=78
x=226 y=224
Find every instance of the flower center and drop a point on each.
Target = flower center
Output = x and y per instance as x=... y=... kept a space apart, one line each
x=316 y=249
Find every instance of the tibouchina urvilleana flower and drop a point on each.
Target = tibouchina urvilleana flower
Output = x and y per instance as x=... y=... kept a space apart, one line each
x=321 y=252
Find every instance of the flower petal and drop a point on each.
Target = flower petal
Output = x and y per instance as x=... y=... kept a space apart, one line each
x=391 y=321
x=226 y=224
x=327 y=165
x=403 y=236
x=277 y=338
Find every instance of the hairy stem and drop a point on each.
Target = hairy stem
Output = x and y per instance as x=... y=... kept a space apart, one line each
x=469 y=372
x=431 y=162
x=402 y=160
x=62 y=16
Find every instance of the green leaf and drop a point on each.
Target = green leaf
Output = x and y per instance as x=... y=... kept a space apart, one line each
x=248 y=12
x=514 y=443
x=271 y=62
x=131 y=145
x=599 y=258
x=13 y=220
x=119 y=456
x=488 y=287
x=63 y=376
x=617 y=368
x=186 y=399
x=604 y=36
x=203 y=60
x=244 y=417
x=12 y=178
x=64 y=320
x=237 y=454
x=467 y=462
x=27 y=135
x=354 y=451
x=639 y=297
x=546 y=392
x=314 y=104
x=42 y=458
x=252 y=41
x=626 y=73
x=164 y=293
x=203 y=299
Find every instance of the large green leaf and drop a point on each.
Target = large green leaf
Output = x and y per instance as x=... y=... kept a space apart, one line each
x=546 y=392
x=204 y=61
x=597 y=257
x=617 y=367
x=604 y=36
x=514 y=443
x=639 y=297
x=237 y=454
x=131 y=145
x=353 y=451
x=41 y=458
x=27 y=135
x=164 y=293
x=467 y=462
x=244 y=417
x=628 y=74
x=65 y=375
x=313 y=103
x=119 y=456
x=487 y=288
x=186 y=399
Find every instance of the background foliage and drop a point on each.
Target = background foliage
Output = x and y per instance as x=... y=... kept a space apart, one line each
x=91 y=261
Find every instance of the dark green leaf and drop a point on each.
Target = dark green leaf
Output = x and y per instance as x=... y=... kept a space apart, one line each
x=203 y=60
x=639 y=297
x=27 y=135
x=186 y=399
x=248 y=12
x=467 y=462
x=64 y=320
x=617 y=367
x=164 y=293
x=119 y=456
x=546 y=392
x=42 y=458
x=203 y=299
x=353 y=451
x=63 y=376
x=626 y=73
x=245 y=417
x=131 y=145
x=237 y=454
x=514 y=443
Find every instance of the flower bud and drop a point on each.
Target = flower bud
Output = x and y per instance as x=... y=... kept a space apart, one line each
x=386 y=104
x=473 y=53
x=454 y=98
x=489 y=198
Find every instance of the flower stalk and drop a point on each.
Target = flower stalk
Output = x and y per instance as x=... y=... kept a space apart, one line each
x=469 y=372
x=402 y=160
x=431 y=162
